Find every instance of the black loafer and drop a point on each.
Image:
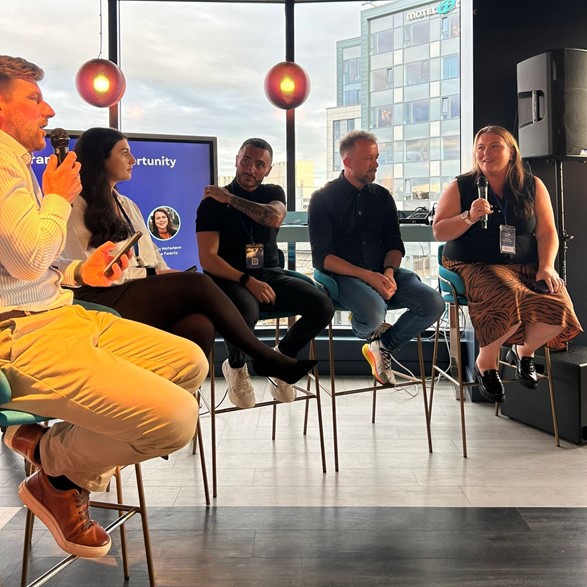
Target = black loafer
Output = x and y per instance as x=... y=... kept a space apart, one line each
x=490 y=385
x=525 y=369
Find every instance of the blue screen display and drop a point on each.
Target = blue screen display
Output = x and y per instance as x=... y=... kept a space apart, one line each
x=171 y=173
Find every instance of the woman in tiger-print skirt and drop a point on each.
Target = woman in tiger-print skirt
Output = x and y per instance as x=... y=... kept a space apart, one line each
x=504 y=247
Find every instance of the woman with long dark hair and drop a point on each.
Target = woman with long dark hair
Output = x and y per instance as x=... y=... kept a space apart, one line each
x=187 y=304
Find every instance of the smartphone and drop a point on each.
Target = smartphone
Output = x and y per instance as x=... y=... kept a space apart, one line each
x=540 y=287
x=125 y=247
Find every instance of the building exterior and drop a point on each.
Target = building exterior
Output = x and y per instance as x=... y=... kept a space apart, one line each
x=305 y=182
x=401 y=80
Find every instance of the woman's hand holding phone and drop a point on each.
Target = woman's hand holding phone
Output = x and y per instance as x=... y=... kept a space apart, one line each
x=125 y=249
x=93 y=270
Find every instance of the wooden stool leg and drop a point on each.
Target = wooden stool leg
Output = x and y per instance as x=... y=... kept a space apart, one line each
x=424 y=392
x=120 y=500
x=548 y=365
x=145 y=524
x=456 y=333
x=28 y=536
x=203 y=464
x=333 y=393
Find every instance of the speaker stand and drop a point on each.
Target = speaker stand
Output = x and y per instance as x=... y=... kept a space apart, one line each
x=564 y=236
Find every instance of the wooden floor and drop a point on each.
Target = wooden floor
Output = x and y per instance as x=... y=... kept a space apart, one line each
x=512 y=513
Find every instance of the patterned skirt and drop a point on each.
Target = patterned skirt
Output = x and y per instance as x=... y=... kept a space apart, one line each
x=499 y=297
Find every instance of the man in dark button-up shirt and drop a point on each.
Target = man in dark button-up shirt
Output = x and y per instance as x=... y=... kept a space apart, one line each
x=355 y=237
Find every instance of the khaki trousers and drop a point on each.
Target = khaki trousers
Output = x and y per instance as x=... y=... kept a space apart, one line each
x=124 y=390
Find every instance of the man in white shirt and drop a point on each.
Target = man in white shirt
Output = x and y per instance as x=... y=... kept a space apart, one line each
x=123 y=390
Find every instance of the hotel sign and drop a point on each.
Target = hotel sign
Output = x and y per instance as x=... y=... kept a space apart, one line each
x=443 y=7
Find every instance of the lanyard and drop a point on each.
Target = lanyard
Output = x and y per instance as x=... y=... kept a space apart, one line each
x=503 y=209
x=126 y=217
x=248 y=231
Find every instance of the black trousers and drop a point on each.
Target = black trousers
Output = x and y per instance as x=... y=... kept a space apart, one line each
x=292 y=295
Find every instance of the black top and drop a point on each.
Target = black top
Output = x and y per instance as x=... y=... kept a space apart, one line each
x=479 y=245
x=360 y=226
x=236 y=229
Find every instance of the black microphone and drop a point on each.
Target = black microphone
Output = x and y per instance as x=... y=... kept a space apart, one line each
x=60 y=144
x=482 y=191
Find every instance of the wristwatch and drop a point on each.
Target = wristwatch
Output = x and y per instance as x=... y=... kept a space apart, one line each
x=77 y=274
x=244 y=278
x=465 y=217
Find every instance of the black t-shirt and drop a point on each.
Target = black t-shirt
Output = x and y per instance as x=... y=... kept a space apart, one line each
x=479 y=245
x=236 y=230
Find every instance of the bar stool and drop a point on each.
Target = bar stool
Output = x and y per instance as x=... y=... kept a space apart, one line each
x=452 y=289
x=304 y=393
x=15 y=418
x=125 y=511
x=331 y=287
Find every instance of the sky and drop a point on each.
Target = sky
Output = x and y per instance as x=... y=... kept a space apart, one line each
x=192 y=68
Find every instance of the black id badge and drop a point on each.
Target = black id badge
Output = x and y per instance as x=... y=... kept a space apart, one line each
x=254 y=256
x=507 y=239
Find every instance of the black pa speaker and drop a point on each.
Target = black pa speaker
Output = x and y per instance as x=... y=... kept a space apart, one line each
x=552 y=105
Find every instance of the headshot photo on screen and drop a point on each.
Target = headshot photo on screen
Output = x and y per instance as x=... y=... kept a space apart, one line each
x=170 y=175
x=164 y=223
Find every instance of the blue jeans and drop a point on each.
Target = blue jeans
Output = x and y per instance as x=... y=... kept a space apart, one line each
x=424 y=307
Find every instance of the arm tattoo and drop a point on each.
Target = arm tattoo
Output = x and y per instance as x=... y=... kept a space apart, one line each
x=265 y=214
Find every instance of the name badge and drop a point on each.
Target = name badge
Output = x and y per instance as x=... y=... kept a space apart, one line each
x=254 y=256
x=507 y=239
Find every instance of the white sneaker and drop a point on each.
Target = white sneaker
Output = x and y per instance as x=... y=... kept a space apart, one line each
x=240 y=389
x=281 y=391
x=380 y=360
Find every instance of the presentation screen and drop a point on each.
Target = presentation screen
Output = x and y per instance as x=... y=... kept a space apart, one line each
x=167 y=183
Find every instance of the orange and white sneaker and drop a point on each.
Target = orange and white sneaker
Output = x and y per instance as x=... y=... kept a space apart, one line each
x=379 y=358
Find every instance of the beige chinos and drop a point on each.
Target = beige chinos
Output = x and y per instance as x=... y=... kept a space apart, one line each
x=124 y=390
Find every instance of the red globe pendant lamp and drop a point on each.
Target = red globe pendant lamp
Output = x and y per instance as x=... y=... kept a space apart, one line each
x=100 y=82
x=287 y=85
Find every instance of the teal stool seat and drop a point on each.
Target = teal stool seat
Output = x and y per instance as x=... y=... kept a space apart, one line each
x=13 y=417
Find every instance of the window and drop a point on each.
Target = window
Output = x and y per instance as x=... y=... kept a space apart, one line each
x=451 y=107
x=339 y=129
x=385 y=153
x=450 y=26
x=336 y=126
x=417 y=111
x=381 y=42
x=451 y=148
x=351 y=71
x=381 y=116
x=381 y=79
x=350 y=97
x=416 y=34
x=420 y=189
x=451 y=67
x=417 y=73
x=417 y=150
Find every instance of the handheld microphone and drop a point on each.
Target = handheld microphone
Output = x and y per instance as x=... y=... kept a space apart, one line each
x=482 y=191
x=60 y=144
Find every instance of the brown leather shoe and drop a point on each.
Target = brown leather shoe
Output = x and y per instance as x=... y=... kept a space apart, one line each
x=66 y=515
x=23 y=439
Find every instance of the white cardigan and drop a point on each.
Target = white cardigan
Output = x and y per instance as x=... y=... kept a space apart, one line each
x=78 y=238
